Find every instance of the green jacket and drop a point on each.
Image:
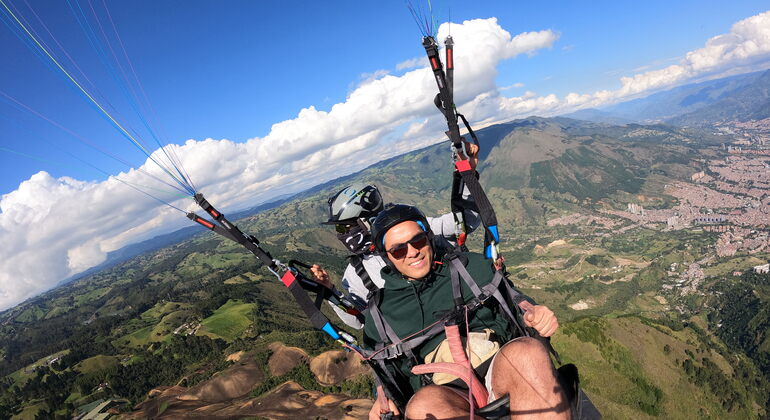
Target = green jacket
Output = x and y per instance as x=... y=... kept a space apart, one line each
x=410 y=306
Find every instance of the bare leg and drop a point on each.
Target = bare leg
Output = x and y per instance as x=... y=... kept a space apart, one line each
x=437 y=402
x=523 y=370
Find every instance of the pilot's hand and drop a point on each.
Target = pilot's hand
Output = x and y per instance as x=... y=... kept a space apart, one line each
x=542 y=320
x=380 y=404
x=321 y=276
x=473 y=153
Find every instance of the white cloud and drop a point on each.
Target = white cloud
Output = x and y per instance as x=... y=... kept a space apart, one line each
x=513 y=86
x=746 y=47
x=57 y=227
x=412 y=63
x=747 y=43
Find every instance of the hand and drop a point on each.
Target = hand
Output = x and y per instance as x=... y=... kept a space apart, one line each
x=499 y=263
x=374 y=413
x=542 y=320
x=473 y=153
x=321 y=276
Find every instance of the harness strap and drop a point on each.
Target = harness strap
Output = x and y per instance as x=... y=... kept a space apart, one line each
x=486 y=212
x=358 y=264
x=456 y=290
x=491 y=290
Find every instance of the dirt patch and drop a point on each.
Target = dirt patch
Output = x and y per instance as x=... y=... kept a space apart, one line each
x=291 y=401
x=558 y=242
x=284 y=359
x=333 y=367
x=626 y=261
x=233 y=382
x=288 y=401
x=235 y=357
x=582 y=305
x=623 y=279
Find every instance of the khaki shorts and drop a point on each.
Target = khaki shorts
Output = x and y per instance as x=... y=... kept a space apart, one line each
x=481 y=350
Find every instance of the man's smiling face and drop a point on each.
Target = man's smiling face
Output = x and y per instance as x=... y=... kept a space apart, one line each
x=409 y=250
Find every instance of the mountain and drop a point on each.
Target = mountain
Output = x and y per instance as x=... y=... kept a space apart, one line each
x=739 y=97
x=681 y=100
x=749 y=102
x=129 y=251
x=165 y=327
x=597 y=115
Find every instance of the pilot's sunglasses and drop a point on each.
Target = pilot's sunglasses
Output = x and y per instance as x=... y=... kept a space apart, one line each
x=399 y=251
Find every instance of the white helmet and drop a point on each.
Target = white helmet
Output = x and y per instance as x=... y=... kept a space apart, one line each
x=353 y=202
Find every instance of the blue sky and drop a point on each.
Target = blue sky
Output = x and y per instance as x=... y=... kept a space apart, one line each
x=232 y=69
x=264 y=98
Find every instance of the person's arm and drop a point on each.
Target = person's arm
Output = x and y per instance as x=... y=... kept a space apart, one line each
x=322 y=277
x=539 y=317
x=444 y=225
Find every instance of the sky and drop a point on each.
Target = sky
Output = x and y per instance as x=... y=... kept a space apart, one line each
x=260 y=99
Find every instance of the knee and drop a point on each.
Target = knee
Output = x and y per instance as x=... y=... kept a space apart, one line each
x=425 y=401
x=525 y=346
x=526 y=351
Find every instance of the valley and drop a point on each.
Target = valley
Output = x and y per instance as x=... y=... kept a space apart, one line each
x=634 y=237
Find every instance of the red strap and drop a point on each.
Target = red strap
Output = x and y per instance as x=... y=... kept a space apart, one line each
x=480 y=394
x=463 y=165
x=383 y=400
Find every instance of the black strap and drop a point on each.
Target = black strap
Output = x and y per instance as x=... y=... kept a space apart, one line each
x=445 y=102
x=357 y=262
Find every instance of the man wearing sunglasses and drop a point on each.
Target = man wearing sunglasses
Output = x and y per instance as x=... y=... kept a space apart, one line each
x=351 y=211
x=419 y=290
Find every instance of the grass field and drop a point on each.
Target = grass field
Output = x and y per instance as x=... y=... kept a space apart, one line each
x=244 y=278
x=21 y=375
x=29 y=412
x=96 y=363
x=227 y=322
x=162 y=308
x=91 y=296
x=196 y=262
x=633 y=370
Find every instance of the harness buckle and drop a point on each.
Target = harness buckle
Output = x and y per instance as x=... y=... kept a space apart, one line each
x=394 y=350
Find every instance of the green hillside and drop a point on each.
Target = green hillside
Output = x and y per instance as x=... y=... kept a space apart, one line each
x=645 y=349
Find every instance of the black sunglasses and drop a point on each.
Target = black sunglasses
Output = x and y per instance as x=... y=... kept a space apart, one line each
x=399 y=251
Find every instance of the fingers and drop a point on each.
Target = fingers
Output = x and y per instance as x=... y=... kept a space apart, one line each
x=374 y=413
x=529 y=318
x=542 y=319
x=550 y=328
x=472 y=149
x=393 y=408
x=320 y=275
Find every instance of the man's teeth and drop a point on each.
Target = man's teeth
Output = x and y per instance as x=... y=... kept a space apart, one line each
x=416 y=262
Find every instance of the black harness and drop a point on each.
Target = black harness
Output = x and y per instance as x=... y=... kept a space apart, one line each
x=391 y=347
x=357 y=261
